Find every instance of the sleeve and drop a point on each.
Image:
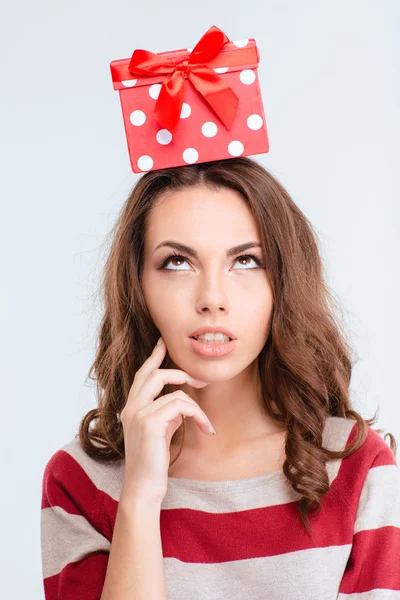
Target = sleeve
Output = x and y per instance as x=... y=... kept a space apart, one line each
x=373 y=569
x=74 y=545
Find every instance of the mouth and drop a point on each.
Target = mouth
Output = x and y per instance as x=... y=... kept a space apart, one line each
x=213 y=348
x=195 y=337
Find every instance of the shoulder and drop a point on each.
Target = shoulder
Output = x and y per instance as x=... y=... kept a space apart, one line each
x=373 y=460
x=71 y=473
x=340 y=433
x=76 y=531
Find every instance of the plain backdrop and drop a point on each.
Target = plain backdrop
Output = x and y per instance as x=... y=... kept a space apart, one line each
x=329 y=74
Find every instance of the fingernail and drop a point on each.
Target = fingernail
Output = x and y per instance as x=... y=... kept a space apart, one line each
x=159 y=341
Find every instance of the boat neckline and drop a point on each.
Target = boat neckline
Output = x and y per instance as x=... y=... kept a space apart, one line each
x=226 y=484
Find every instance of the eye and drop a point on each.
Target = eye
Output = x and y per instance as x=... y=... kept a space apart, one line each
x=254 y=258
x=181 y=258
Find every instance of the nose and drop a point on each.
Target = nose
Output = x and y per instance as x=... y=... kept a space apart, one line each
x=212 y=294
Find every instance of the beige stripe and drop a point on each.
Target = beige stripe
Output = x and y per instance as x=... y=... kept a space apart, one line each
x=101 y=473
x=66 y=538
x=276 y=491
x=336 y=432
x=334 y=437
x=264 y=491
x=109 y=477
x=312 y=574
x=379 y=503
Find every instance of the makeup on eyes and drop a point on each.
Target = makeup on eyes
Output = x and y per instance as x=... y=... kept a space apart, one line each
x=165 y=261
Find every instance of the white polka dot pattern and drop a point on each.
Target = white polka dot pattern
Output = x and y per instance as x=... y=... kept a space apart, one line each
x=254 y=122
x=137 y=117
x=154 y=90
x=247 y=76
x=241 y=43
x=145 y=163
x=221 y=69
x=235 y=148
x=129 y=82
x=185 y=111
x=190 y=155
x=209 y=129
x=164 y=137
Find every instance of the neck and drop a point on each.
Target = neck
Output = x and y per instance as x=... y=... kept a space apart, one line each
x=235 y=408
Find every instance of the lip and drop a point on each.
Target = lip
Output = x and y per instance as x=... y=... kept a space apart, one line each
x=212 y=350
x=215 y=329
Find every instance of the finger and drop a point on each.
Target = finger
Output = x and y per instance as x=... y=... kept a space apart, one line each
x=150 y=408
x=162 y=418
x=152 y=362
x=153 y=386
x=157 y=379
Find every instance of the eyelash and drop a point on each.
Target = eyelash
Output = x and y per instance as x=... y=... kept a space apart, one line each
x=175 y=255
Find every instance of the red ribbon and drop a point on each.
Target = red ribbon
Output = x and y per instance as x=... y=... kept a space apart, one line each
x=211 y=86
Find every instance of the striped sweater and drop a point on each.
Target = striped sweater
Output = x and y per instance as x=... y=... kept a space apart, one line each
x=235 y=539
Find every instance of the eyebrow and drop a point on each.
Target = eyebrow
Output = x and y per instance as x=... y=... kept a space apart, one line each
x=192 y=252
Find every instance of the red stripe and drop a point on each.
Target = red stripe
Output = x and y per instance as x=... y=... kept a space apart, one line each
x=374 y=561
x=66 y=484
x=81 y=580
x=195 y=535
x=386 y=457
x=349 y=482
x=200 y=536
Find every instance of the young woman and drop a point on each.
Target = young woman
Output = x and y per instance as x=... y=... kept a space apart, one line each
x=296 y=495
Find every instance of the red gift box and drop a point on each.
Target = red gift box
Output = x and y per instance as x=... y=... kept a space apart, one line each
x=192 y=105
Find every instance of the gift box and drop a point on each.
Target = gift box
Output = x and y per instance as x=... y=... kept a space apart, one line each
x=192 y=105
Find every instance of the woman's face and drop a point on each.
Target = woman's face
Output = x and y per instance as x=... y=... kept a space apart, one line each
x=213 y=289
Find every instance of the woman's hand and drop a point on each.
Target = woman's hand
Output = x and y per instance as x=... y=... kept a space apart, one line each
x=149 y=425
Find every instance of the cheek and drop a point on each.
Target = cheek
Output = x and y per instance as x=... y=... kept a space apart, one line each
x=256 y=294
x=152 y=294
x=261 y=310
x=166 y=307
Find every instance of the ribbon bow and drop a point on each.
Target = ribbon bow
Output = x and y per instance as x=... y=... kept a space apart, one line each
x=211 y=86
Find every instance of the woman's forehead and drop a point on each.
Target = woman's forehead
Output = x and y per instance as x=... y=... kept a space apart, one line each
x=202 y=208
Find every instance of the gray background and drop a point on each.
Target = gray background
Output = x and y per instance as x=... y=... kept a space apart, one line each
x=329 y=74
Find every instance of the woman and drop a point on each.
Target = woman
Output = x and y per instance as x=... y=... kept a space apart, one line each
x=296 y=494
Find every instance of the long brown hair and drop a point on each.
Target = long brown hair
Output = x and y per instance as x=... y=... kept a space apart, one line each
x=306 y=363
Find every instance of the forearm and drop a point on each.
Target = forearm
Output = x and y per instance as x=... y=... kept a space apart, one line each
x=135 y=569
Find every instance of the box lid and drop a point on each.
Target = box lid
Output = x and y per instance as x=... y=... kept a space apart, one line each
x=234 y=56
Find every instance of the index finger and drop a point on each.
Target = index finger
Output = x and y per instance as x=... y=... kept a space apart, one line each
x=150 y=364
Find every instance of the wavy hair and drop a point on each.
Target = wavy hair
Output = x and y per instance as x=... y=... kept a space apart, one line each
x=306 y=362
